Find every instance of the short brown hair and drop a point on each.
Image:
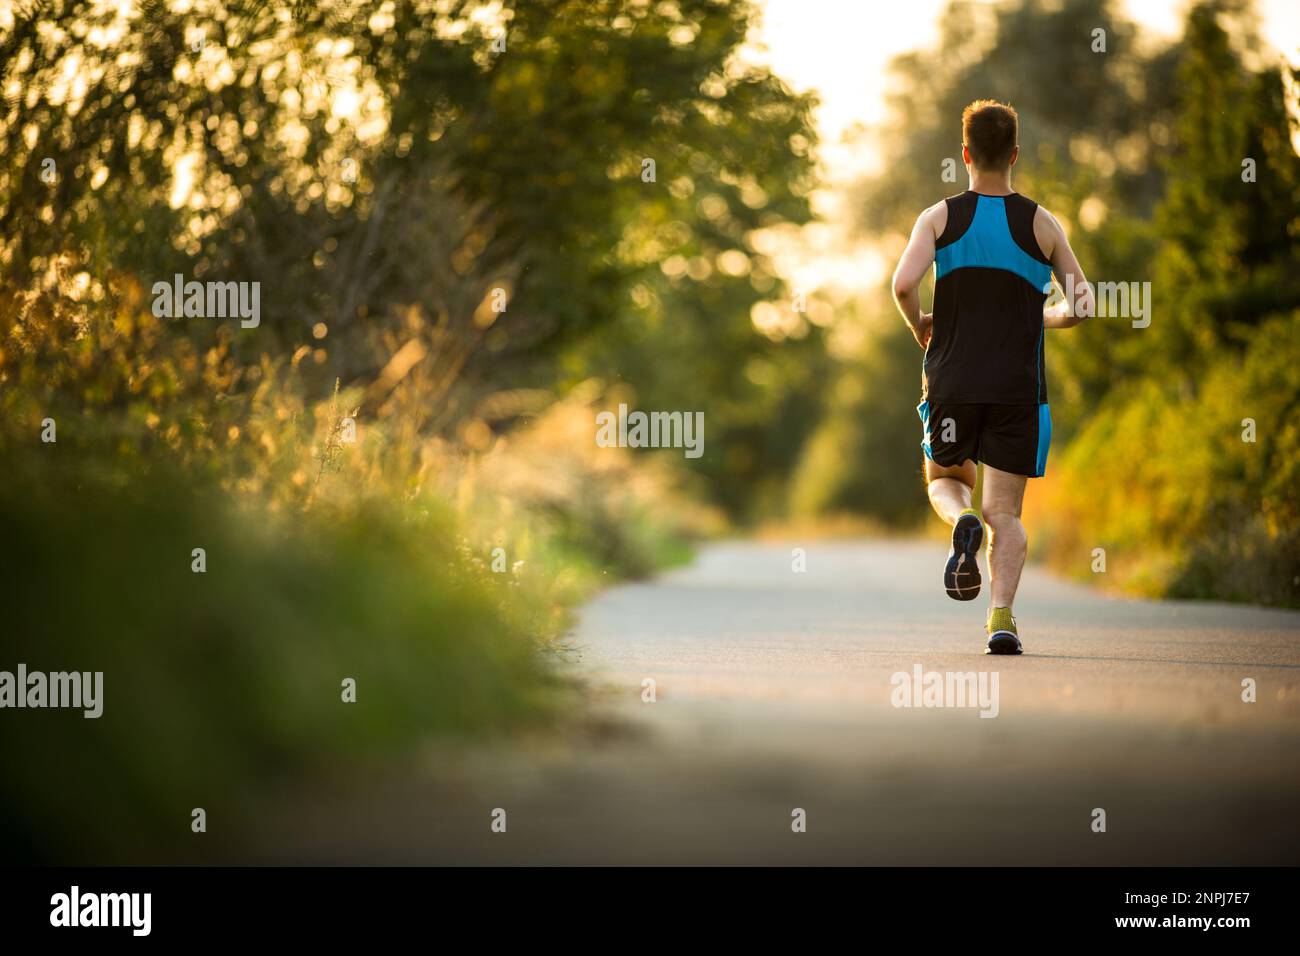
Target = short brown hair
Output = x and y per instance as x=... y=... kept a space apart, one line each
x=990 y=129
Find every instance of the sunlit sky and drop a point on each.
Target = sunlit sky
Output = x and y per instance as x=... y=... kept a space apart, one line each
x=842 y=48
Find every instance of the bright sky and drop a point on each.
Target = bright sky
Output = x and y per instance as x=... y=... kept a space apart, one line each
x=841 y=48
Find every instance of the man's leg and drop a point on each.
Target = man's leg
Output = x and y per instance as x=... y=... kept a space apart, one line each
x=949 y=488
x=1002 y=497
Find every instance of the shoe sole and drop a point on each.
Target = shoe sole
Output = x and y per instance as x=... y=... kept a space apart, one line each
x=1004 y=642
x=961 y=576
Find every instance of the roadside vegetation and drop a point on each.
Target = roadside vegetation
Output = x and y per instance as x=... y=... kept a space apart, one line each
x=390 y=475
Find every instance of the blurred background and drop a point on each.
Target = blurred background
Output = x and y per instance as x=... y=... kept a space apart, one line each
x=476 y=225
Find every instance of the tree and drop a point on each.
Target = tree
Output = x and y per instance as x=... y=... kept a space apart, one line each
x=384 y=172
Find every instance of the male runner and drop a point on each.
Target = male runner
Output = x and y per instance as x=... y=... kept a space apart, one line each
x=984 y=394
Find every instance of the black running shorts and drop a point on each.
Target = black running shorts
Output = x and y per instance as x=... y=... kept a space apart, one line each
x=1011 y=438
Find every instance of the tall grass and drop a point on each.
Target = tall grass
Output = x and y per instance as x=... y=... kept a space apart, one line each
x=1171 y=485
x=326 y=559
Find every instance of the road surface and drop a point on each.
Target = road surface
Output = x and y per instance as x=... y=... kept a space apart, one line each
x=774 y=693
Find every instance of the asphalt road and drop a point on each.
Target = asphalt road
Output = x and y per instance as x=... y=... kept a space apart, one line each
x=774 y=693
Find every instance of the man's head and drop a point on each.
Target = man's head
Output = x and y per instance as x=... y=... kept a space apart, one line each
x=989 y=132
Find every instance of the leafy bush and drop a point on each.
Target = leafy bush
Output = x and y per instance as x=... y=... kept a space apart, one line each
x=1219 y=516
x=325 y=560
x=219 y=681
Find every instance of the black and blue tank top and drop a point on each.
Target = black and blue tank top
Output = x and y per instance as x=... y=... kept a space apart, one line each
x=991 y=280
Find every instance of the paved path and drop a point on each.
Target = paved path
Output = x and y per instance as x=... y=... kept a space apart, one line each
x=773 y=692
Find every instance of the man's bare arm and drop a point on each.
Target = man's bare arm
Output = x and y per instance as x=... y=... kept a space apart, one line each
x=1078 y=305
x=912 y=267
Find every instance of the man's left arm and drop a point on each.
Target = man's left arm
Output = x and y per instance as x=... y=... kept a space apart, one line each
x=912 y=267
x=1065 y=265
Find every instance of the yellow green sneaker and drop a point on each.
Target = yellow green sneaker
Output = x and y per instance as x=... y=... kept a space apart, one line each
x=1001 y=628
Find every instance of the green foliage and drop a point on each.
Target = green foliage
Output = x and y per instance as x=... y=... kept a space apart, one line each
x=373 y=560
x=220 y=682
x=476 y=168
x=841 y=468
x=1218 y=515
x=1159 y=471
x=1230 y=252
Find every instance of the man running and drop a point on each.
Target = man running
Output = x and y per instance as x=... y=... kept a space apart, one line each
x=984 y=393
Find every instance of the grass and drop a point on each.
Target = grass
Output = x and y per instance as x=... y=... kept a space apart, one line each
x=216 y=682
x=326 y=559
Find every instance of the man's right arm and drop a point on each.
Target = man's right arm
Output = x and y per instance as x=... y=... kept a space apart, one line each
x=1078 y=305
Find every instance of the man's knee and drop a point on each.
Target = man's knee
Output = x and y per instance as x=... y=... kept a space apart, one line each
x=1004 y=524
x=1000 y=508
x=1001 y=514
